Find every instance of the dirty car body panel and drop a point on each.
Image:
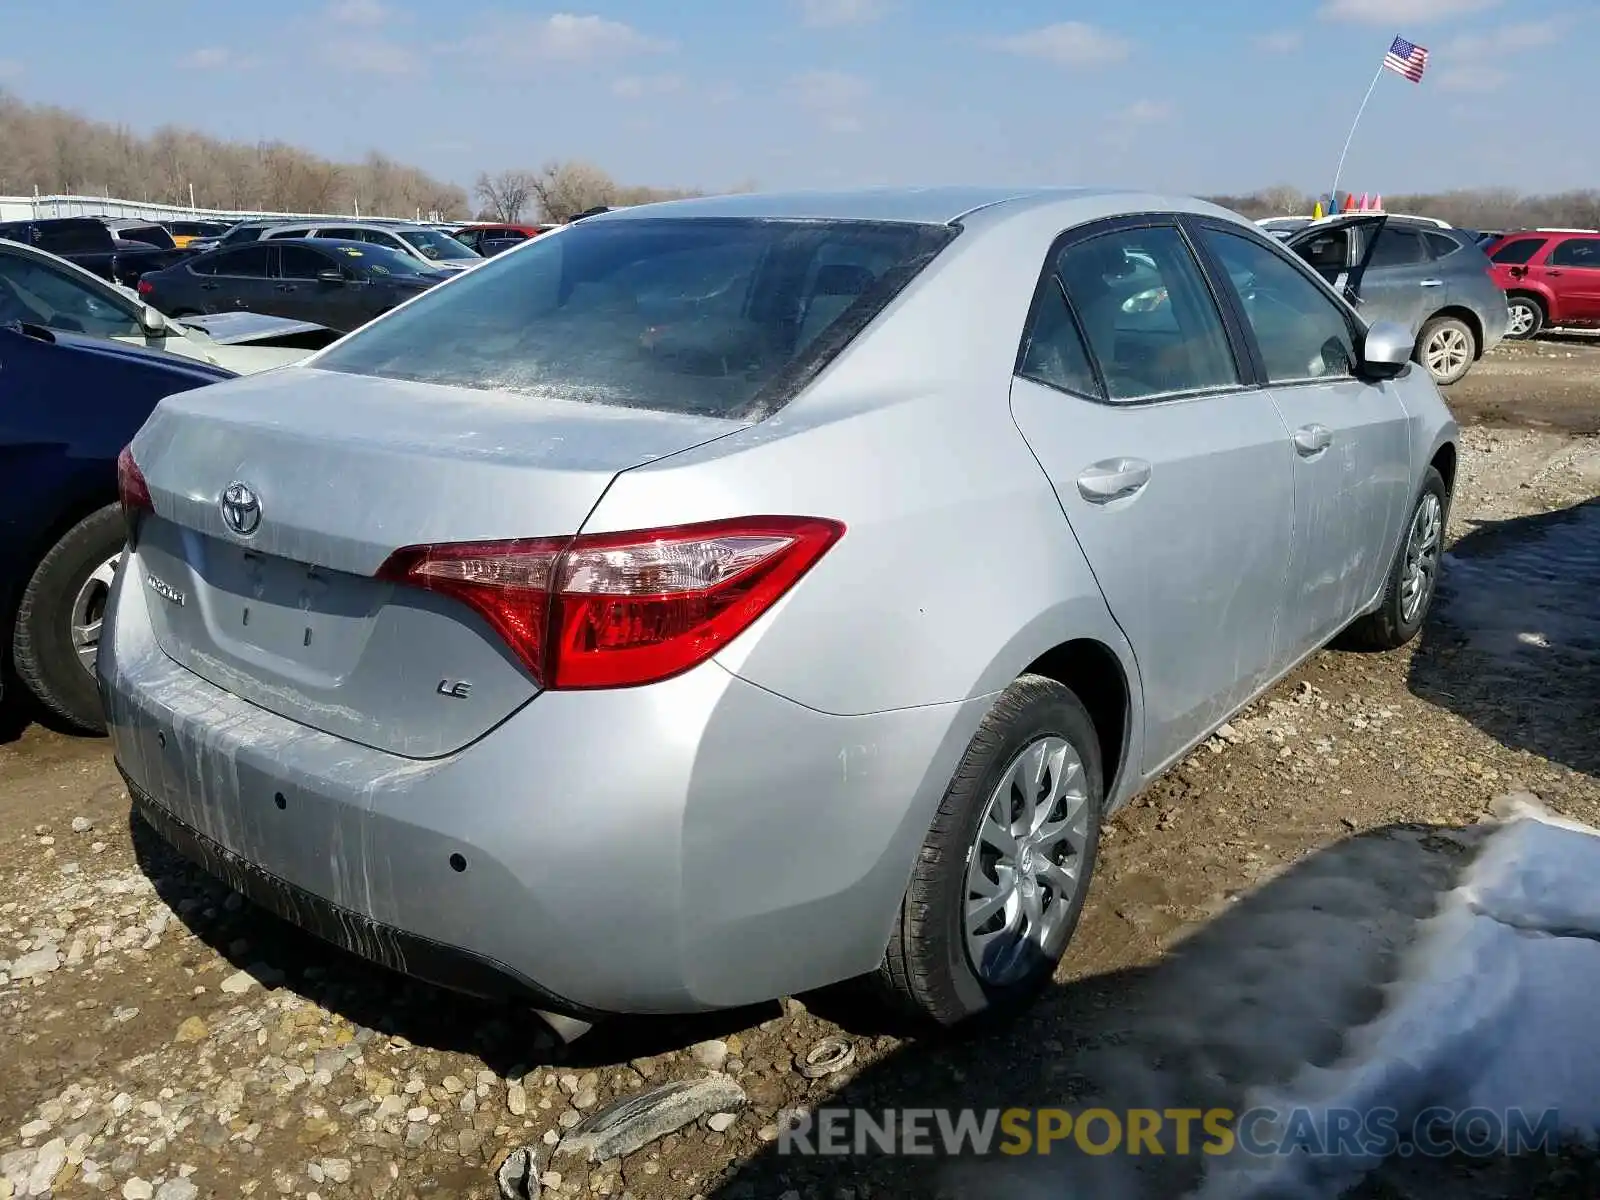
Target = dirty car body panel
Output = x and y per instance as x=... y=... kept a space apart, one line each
x=411 y=775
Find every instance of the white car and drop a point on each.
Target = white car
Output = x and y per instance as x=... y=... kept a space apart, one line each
x=38 y=288
x=421 y=242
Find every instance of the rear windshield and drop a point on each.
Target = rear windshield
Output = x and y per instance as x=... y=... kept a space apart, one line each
x=711 y=316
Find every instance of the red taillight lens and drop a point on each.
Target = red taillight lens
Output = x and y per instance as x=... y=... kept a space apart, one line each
x=132 y=490
x=623 y=609
x=146 y=287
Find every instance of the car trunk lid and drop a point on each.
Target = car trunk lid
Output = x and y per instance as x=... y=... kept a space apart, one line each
x=343 y=470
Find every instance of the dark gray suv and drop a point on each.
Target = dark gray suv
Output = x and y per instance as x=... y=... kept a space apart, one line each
x=1427 y=276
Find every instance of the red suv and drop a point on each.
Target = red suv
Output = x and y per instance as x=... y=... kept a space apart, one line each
x=1551 y=278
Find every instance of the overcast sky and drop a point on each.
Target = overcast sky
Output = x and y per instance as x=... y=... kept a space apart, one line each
x=1213 y=96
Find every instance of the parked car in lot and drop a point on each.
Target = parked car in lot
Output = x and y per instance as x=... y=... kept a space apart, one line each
x=427 y=246
x=68 y=404
x=185 y=233
x=786 y=585
x=148 y=233
x=90 y=243
x=237 y=234
x=40 y=289
x=1418 y=272
x=1551 y=278
x=489 y=240
x=1282 y=227
x=339 y=284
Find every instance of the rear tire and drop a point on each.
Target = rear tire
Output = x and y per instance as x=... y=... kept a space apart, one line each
x=58 y=622
x=934 y=970
x=1447 y=347
x=1527 y=318
x=1416 y=566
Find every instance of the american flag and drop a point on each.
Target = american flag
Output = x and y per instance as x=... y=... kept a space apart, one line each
x=1406 y=59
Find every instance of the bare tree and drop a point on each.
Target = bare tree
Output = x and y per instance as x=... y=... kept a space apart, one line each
x=60 y=151
x=565 y=189
x=504 y=195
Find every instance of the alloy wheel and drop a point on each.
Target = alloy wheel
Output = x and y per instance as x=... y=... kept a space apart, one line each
x=1447 y=352
x=1024 y=870
x=1422 y=557
x=88 y=609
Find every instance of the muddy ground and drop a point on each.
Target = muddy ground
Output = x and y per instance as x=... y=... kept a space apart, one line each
x=159 y=1038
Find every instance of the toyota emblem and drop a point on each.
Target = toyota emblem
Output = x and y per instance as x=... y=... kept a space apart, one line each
x=241 y=508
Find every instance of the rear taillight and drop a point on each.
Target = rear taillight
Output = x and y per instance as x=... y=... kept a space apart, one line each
x=622 y=609
x=146 y=287
x=132 y=490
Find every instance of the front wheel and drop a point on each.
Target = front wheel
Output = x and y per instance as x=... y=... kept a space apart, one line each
x=1448 y=348
x=1413 y=578
x=1000 y=882
x=57 y=635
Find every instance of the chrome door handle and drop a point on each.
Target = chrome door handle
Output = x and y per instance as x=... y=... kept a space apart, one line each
x=1312 y=439
x=1431 y=283
x=1112 y=479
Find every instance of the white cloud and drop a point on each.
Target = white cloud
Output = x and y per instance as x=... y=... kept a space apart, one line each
x=1398 y=12
x=1146 y=112
x=1285 y=41
x=1474 y=62
x=373 y=57
x=1529 y=35
x=832 y=97
x=369 y=13
x=830 y=14
x=639 y=87
x=209 y=58
x=1070 y=43
x=564 y=38
x=1475 y=78
x=10 y=68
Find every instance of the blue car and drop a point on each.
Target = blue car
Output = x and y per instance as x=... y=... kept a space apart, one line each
x=68 y=405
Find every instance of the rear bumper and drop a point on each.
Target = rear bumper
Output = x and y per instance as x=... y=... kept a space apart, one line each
x=697 y=844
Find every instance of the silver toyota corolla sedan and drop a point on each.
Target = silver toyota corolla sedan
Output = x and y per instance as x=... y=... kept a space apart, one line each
x=714 y=600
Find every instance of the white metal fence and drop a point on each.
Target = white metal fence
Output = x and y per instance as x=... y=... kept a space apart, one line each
x=38 y=208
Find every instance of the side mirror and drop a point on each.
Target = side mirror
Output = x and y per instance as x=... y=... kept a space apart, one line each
x=1386 y=352
x=153 y=322
x=331 y=276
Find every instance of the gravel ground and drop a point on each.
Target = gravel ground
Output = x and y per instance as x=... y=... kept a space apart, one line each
x=160 y=1038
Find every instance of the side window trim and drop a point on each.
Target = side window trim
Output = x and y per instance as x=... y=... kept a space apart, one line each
x=1240 y=346
x=1049 y=281
x=1353 y=322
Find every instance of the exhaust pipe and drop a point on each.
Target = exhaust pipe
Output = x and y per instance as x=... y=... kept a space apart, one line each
x=568 y=1029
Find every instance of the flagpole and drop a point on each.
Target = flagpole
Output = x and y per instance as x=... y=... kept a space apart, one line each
x=1333 y=196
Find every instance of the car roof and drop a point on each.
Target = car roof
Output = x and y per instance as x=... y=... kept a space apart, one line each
x=919 y=205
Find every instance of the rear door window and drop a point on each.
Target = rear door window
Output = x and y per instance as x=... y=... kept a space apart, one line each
x=1397 y=247
x=247 y=262
x=1147 y=313
x=1517 y=252
x=714 y=316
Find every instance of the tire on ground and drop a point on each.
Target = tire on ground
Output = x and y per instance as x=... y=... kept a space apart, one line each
x=927 y=974
x=1386 y=628
x=1535 y=308
x=42 y=648
x=1431 y=329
